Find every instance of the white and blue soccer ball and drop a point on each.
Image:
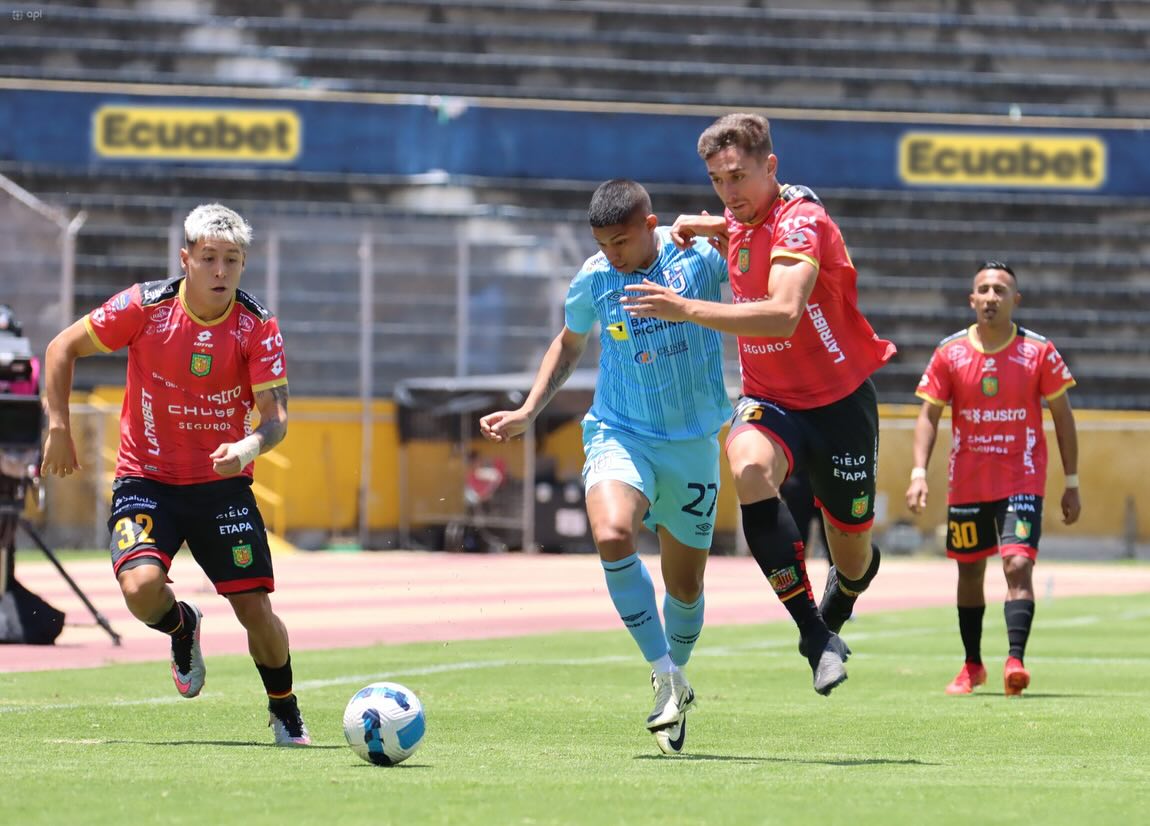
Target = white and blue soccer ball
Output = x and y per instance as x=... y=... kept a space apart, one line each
x=384 y=723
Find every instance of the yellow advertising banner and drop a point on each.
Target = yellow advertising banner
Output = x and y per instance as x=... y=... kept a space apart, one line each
x=196 y=134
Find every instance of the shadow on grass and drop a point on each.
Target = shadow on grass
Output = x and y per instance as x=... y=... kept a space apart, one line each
x=1032 y=695
x=243 y=743
x=739 y=758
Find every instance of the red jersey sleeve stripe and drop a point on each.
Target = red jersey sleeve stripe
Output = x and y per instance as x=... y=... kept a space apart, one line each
x=268 y=385
x=928 y=398
x=95 y=338
x=781 y=253
x=1063 y=389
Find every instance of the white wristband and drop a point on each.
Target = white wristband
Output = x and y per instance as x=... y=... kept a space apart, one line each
x=247 y=449
x=917 y=473
x=1072 y=480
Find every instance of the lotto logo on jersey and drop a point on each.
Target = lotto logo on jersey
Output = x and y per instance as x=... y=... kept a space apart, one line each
x=990 y=385
x=618 y=331
x=201 y=364
x=795 y=240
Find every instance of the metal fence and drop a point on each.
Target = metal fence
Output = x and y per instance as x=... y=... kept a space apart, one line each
x=364 y=303
x=37 y=269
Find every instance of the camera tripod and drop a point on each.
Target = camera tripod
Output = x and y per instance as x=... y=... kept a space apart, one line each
x=12 y=518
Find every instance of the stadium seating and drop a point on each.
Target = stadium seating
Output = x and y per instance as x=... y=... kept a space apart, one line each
x=1061 y=58
x=914 y=272
x=1083 y=262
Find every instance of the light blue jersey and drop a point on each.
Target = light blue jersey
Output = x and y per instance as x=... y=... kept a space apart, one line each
x=660 y=380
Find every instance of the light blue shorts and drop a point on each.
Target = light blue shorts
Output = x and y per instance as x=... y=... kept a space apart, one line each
x=679 y=479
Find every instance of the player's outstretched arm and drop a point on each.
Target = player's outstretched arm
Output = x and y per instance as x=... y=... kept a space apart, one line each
x=776 y=316
x=231 y=458
x=558 y=363
x=1066 y=432
x=925 y=433
x=59 y=367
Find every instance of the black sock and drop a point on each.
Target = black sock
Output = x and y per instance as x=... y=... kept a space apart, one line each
x=179 y=621
x=838 y=602
x=970 y=628
x=1019 y=616
x=777 y=547
x=277 y=681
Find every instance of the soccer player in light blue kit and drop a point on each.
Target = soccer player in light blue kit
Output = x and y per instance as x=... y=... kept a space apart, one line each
x=650 y=435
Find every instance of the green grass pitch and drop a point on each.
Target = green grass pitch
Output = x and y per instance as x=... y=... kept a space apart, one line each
x=549 y=730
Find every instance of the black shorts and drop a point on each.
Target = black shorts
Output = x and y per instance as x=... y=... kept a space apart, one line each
x=837 y=445
x=219 y=520
x=981 y=529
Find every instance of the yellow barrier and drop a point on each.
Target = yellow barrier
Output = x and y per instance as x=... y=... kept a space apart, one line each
x=311 y=481
x=270 y=495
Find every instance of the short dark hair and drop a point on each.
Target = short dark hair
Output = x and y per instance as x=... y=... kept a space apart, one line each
x=617 y=201
x=749 y=132
x=997 y=265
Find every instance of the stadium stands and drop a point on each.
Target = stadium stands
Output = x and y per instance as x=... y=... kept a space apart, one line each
x=1083 y=261
x=1051 y=58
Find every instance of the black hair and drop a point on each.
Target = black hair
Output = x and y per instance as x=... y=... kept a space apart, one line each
x=616 y=202
x=997 y=265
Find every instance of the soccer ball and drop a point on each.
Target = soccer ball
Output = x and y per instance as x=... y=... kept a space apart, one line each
x=384 y=723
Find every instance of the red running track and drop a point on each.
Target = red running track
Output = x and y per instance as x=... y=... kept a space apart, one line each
x=332 y=600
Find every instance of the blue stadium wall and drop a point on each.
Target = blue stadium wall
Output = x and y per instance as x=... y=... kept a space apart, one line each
x=109 y=126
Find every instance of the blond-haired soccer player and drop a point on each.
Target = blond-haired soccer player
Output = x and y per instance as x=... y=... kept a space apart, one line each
x=203 y=355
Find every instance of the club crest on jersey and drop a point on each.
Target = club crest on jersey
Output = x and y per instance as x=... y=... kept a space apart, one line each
x=859 y=506
x=990 y=385
x=675 y=278
x=744 y=259
x=201 y=364
x=242 y=555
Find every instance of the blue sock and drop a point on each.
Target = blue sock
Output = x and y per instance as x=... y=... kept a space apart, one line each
x=633 y=593
x=684 y=623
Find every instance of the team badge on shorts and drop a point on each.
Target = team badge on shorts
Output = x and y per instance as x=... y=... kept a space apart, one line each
x=990 y=385
x=242 y=555
x=201 y=364
x=859 y=506
x=744 y=259
x=1022 y=529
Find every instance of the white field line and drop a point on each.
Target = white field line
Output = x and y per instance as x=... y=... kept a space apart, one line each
x=770 y=648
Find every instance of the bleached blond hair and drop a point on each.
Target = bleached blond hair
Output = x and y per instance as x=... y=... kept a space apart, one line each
x=219 y=222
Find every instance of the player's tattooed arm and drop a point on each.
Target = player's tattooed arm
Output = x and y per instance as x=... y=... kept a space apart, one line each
x=272 y=404
x=563 y=370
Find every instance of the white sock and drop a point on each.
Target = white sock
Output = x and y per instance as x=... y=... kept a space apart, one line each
x=663 y=665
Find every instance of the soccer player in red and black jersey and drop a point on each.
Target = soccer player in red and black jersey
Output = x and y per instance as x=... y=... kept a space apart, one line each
x=806 y=354
x=995 y=375
x=203 y=357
